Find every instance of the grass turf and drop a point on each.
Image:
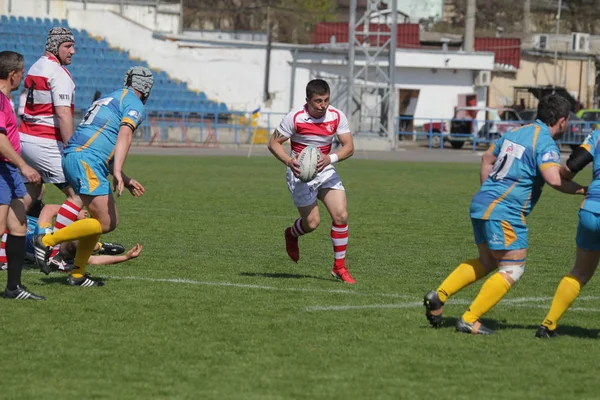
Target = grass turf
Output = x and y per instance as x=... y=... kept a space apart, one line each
x=247 y=323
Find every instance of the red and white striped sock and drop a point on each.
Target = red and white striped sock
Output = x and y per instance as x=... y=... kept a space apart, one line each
x=3 y=259
x=339 y=238
x=67 y=214
x=297 y=229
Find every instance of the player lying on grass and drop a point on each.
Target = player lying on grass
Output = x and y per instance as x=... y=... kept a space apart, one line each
x=104 y=253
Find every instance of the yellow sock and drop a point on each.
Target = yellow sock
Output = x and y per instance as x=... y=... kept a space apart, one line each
x=567 y=291
x=466 y=273
x=492 y=291
x=75 y=231
x=84 y=251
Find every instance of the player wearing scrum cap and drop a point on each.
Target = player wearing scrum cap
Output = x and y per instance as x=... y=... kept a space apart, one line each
x=48 y=121
x=98 y=148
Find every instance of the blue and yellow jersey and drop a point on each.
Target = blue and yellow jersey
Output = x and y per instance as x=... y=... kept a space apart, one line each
x=592 y=200
x=97 y=133
x=515 y=184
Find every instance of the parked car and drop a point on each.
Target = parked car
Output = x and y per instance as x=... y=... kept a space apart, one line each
x=473 y=123
x=576 y=133
x=590 y=115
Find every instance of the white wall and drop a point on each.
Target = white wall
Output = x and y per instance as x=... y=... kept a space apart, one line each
x=145 y=16
x=229 y=75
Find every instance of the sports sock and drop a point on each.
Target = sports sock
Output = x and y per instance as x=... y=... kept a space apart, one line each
x=297 y=228
x=466 y=273
x=15 y=254
x=3 y=249
x=492 y=291
x=67 y=214
x=77 y=230
x=567 y=291
x=84 y=251
x=339 y=238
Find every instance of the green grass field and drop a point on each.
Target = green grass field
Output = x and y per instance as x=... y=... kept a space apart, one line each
x=214 y=309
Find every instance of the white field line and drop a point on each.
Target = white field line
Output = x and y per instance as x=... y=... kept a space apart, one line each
x=258 y=287
x=517 y=302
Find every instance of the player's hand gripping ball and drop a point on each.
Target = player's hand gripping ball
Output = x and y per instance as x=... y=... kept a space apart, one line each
x=308 y=159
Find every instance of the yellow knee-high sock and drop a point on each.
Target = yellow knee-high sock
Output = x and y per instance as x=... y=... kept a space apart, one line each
x=77 y=230
x=466 y=273
x=84 y=251
x=567 y=291
x=492 y=291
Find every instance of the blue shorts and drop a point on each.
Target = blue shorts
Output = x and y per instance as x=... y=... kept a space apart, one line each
x=11 y=183
x=500 y=235
x=86 y=174
x=588 y=231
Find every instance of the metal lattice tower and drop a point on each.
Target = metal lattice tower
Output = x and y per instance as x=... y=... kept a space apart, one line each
x=372 y=69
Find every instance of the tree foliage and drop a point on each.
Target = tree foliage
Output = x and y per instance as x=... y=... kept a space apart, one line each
x=291 y=20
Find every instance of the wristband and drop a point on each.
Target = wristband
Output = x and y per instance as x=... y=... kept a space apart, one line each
x=333 y=158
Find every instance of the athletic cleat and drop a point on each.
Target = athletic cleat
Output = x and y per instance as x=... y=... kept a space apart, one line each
x=544 y=333
x=111 y=249
x=476 y=328
x=21 y=293
x=84 y=281
x=42 y=254
x=57 y=263
x=291 y=245
x=3 y=267
x=343 y=274
x=433 y=308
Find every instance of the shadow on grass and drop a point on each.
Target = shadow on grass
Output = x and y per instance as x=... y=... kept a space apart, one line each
x=62 y=279
x=283 y=275
x=563 y=330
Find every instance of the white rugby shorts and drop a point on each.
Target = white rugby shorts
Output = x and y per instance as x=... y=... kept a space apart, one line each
x=305 y=193
x=45 y=156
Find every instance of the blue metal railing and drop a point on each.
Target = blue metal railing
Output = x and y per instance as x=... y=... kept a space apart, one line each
x=443 y=132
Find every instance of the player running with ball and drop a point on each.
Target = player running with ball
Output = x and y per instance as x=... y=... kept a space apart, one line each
x=316 y=124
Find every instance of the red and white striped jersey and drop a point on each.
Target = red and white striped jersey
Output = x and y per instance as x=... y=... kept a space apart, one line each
x=48 y=85
x=304 y=130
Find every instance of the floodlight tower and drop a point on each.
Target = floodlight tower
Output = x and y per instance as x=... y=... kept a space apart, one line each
x=372 y=68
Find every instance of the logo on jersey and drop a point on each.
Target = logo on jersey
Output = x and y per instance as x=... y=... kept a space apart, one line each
x=329 y=128
x=495 y=239
x=551 y=156
x=134 y=114
x=64 y=97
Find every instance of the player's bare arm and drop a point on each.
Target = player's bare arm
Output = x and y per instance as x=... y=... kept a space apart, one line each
x=7 y=151
x=65 y=122
x=554 y=179
x=121 y=150
x=487 y=164
x=345 y=151
x=275 y=146
x=109 y=260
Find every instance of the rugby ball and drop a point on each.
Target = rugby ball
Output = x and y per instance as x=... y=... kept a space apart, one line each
x=308 y=159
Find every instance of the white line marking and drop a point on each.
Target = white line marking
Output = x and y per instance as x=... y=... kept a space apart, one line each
x=518 y=302
x=260 y=287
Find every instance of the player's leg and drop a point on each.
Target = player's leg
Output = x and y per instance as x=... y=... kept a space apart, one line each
x=334 y=199
x=104 y=218
x=586 y=262
x=508 y=244
x=463 y=275
x=305 y=200
x=308 y=221
x=15 y=221
x=89 y=180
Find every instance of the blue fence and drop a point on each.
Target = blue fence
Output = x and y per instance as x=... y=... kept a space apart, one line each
x=458 y=133
x=202 y=128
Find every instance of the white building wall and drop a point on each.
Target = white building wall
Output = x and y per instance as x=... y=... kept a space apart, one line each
x=60 y=9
